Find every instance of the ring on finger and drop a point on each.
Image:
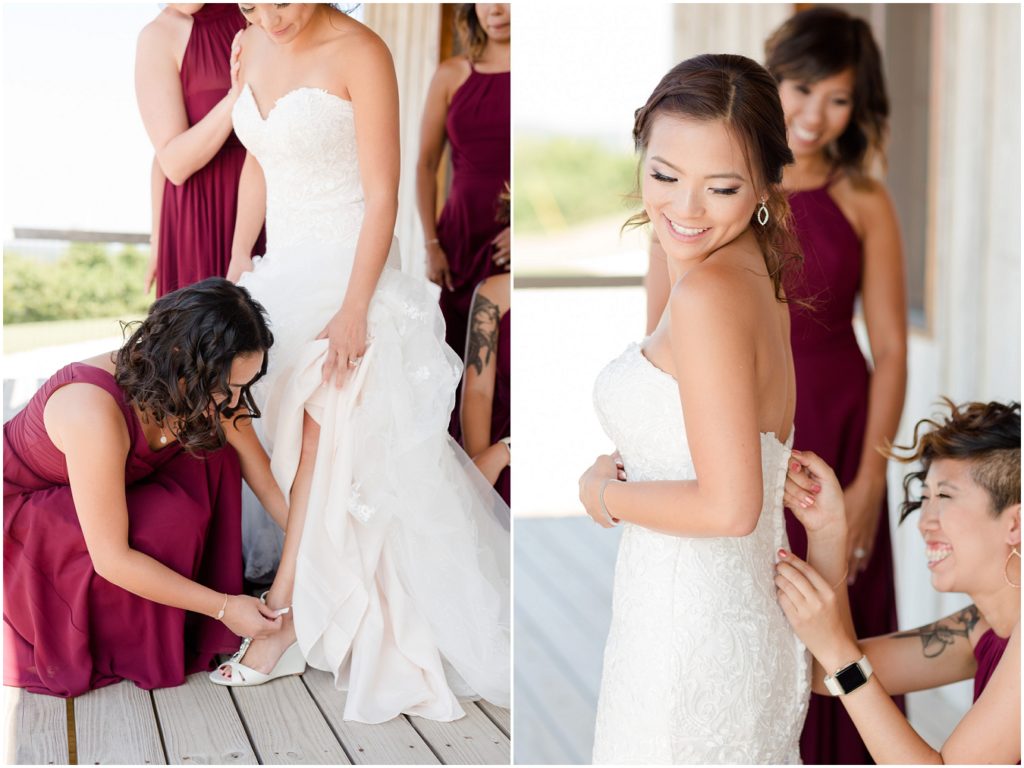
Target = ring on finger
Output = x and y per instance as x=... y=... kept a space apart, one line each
x=860 y=553
x=354 y=361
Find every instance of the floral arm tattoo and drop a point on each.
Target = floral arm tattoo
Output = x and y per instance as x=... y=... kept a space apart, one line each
x=483 y=333
x=935 y=638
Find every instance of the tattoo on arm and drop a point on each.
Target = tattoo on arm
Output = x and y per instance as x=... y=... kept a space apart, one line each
x=935 y=638
x=483 y=333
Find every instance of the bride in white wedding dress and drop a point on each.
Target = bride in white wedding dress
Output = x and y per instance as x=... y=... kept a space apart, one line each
x=395 y=562
x=701 y=665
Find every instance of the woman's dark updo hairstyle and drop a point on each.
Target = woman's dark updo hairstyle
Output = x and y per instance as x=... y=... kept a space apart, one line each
x=471 y=32
x=180 y=356
x=985 y=434
x=741 y=93
x=821 y=42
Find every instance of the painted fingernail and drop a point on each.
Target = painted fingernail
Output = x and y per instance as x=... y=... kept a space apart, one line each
x=783 y=553
x=808 y=501
x=794 y=466
x=816 y=488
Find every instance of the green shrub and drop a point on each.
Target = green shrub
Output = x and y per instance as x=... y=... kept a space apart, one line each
x=88 y=281
x=560 y=182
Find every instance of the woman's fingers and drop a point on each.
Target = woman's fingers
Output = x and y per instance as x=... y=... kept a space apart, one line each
x=795 y=493
x=799 y=476
x=806 y=570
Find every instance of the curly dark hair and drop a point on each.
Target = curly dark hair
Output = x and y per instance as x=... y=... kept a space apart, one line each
x=742 y=94
x=180 y=357
x=985 y=434
x=821 y=42
x=471 y=32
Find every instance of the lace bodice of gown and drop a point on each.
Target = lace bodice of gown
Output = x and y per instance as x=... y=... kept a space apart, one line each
x=700 y=665
x=306 y=147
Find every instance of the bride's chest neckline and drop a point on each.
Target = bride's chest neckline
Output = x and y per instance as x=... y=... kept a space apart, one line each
x=301 y=96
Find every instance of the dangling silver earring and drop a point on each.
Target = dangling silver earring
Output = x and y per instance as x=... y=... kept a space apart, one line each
x=762 y=214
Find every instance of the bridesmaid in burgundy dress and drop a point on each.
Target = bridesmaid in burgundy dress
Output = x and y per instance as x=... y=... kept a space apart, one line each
x=183 y=87
x=120 y=512
x=969 y=505
x=468 y=106
x=833 y=93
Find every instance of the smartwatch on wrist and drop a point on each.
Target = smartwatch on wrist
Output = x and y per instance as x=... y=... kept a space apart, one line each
x=849 y=678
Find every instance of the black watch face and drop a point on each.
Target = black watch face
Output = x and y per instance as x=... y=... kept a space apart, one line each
x=851 y=677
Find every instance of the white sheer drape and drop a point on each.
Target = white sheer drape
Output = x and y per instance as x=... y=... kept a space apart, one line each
x=411 y=31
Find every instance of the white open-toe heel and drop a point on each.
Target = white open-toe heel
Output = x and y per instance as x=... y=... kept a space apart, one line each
x=291 y=662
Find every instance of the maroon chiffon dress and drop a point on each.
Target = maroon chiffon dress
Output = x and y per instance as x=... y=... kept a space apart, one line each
x=479 y=131
x=197 y=219
x=501 y=422
x=987 y=651
x=68 y=630
x=832 y=379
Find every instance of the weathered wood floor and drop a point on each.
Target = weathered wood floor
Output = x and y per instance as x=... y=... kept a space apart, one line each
x=563 y=597
x=295 y=720
x=291 y=721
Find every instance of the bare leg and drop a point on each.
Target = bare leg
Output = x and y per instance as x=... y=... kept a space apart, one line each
x=263 y=654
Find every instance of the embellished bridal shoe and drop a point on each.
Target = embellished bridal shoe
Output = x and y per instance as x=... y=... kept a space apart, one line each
x=292 y=662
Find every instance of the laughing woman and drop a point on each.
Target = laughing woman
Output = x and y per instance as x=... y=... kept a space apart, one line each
x=970 y=522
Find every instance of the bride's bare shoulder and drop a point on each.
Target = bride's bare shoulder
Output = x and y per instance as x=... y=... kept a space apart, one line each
x=354 y=40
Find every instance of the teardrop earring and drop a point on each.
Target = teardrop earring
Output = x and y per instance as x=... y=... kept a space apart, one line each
x=762 y=213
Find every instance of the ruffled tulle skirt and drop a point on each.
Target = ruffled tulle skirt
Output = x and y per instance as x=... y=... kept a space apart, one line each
x=402 y=583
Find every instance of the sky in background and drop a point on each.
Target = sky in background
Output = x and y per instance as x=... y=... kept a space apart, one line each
x=609 y=58
x=75 y=154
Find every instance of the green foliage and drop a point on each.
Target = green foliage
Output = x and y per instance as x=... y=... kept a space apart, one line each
x=560 y=182
x=88 y=281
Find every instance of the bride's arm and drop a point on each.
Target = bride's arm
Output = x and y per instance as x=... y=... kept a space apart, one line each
x=713 y=331
x=252 y=211
x=374 y=95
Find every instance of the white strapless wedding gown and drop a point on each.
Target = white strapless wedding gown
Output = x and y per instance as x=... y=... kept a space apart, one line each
x=701 y=665
x=402 y=583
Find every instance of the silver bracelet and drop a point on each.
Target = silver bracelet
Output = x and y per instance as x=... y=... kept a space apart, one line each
x=604 y=507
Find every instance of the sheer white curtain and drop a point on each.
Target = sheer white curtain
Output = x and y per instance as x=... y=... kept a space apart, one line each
x=412 y=32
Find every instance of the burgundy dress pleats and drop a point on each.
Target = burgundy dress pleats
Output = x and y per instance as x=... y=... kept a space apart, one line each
x=479 y=132
x=832 y=380
x=197 y=219
x=68 y=630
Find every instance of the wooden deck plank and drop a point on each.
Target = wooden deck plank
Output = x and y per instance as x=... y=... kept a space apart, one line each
x=499 y=715
x=554 y=719
x=395 y=742
x=564 y=574
x=116 y=725
x=285 y=725
x=200 y=724
x=36 y=728
x=471 y=740
x=570 y=640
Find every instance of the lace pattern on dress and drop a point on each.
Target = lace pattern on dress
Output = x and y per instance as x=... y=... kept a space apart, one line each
x=701 y=665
